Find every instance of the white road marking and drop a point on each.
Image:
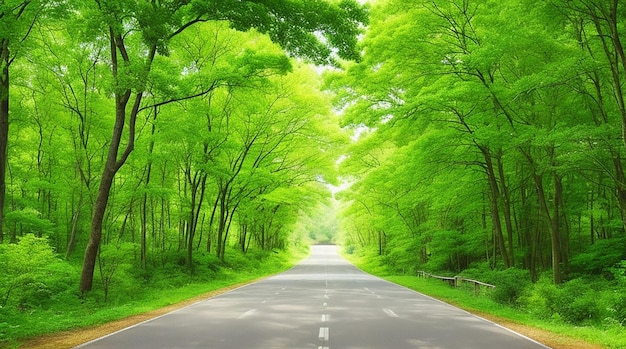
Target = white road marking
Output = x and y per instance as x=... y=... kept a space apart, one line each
x=247 y=313
x=368 y=290
x=325 y=304
x=390 y=312
x=325 y=317
x=324 y=335
x=326 y=296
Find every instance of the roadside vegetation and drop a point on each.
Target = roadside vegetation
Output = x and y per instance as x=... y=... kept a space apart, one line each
x=489 y=143
x=43 y=297
x=579 y=314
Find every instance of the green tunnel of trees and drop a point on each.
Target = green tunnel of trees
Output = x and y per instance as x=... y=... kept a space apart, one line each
x=489 y=136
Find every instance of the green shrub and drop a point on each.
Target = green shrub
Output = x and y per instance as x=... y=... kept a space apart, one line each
x=541 y=299
x=26 y=272
x=599 y=257
x=510 y=285
x=574 y=302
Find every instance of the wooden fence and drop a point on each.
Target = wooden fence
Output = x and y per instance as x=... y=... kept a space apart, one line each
x=457 y=281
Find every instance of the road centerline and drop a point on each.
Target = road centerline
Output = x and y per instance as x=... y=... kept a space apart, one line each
x=289 y=320
x=390 y=312
x=247 y=313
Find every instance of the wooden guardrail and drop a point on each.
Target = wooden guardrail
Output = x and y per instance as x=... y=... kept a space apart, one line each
x=457 y=281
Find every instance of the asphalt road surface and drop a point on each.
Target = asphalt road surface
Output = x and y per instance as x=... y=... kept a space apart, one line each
x=322 y=303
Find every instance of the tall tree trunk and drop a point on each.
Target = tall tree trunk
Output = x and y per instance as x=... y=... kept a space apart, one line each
x=553 y=219
x=114 y=160
x=494 y=197
x=221 y=225
x=144 y=204
x=13 y=13
x=4 y=127
x=506 y=206
x=198 y=189
x=71 y=243
x=91 y=252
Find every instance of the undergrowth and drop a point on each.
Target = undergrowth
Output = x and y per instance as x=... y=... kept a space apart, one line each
x=44 y=298
x=591 y=309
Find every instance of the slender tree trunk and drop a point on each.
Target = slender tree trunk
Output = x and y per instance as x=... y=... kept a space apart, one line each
x=243 y=232
x=494 y=196
x=144 y=204
x=198 y=188
x=564 y=231
x=71 y=244
x=553 y=223
x=4 y=127
x=221 y=226
x=91 y=252
x=506 y=206
x=114 y=160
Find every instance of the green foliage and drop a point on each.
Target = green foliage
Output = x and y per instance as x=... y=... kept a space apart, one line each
x=29 y=221
x=115 y=262
x=32 y=274
x=599 y=257
x=578 y=301
x=49 y=289
x=535 y=307
x=511 y=284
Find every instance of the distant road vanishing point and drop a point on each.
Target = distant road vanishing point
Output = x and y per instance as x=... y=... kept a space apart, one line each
x=322 y=303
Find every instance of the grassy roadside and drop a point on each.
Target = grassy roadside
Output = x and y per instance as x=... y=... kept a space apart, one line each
x=71 y=326
x=551 y=332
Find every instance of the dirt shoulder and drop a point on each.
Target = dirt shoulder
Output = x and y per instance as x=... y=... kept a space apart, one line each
x=70 y=339
x=551 y=339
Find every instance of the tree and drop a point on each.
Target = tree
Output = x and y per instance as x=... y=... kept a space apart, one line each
x=17 y=19
x=153 y=25
x=514 y=119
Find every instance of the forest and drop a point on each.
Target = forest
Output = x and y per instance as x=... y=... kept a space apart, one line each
x=148 y=145
x=492 y=145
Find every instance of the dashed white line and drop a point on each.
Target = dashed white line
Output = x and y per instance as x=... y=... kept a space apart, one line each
x=325 y=317
x=324 y=334
x=390 y=312
x=247 y=313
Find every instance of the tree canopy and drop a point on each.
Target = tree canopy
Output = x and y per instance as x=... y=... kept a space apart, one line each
x=495 y=135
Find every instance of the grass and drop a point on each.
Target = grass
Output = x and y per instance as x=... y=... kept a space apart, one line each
x=552 y=332
x=21 y=327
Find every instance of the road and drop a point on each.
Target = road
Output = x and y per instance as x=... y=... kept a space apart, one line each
x=322 y=303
